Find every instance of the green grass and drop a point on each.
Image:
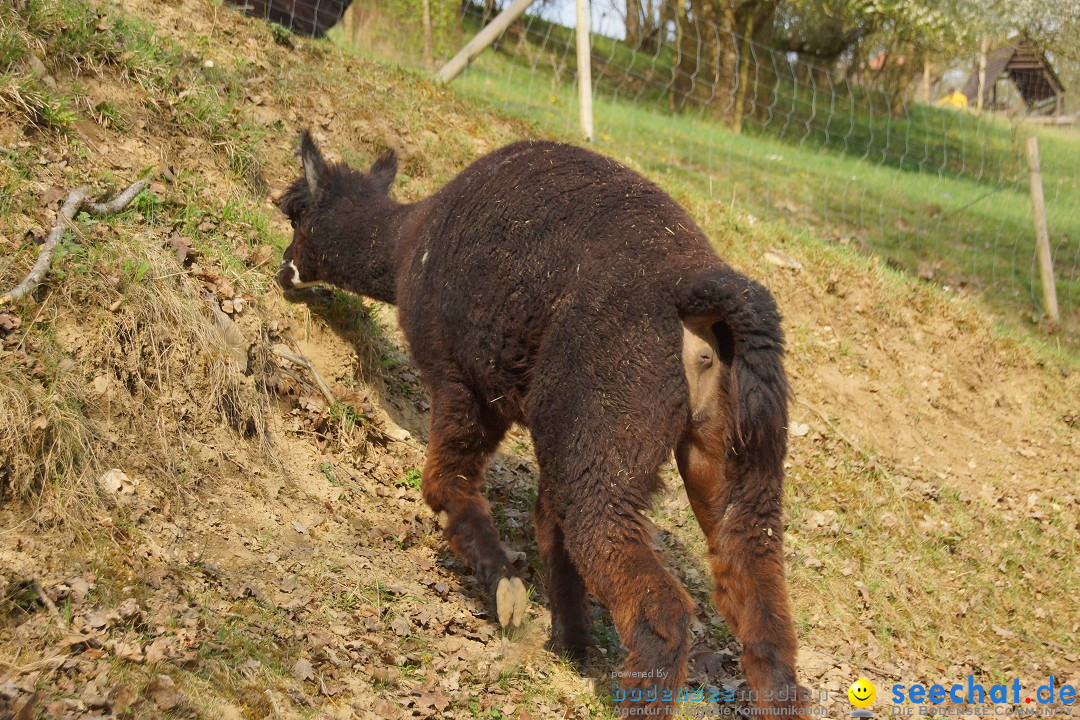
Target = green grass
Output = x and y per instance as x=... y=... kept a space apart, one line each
x=201 y=99
x=412 y=478
x=893 y=534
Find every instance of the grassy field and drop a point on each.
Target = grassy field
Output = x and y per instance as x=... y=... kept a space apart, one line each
x=940 y=193
x=792 y=101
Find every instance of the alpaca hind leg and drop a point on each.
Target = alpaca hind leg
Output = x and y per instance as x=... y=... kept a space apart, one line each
x=652 y=611
x=566 y=589
x=740 y=516
x=461 y=441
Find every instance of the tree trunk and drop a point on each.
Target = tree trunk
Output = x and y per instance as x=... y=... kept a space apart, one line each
x=667 y=17
x=699 y=52
x=649 y=41
x=923 y=93
x=744 y=76
x=633 y=24
x=355 y=23
x=685 y=64
x=429 y=42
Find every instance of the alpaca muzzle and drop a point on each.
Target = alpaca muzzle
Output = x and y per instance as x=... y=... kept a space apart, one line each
x=288 y=277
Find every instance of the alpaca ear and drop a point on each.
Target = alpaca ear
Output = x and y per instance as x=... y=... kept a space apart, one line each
x=384 y=171
x=314 y=164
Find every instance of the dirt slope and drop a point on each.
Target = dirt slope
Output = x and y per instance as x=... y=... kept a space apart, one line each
x=263 y=553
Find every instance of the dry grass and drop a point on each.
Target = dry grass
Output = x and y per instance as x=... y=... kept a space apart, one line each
x=124 y=332
x=46 y=440
x=164 y=348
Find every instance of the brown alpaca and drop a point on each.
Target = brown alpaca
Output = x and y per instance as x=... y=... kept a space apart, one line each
x=550 y=286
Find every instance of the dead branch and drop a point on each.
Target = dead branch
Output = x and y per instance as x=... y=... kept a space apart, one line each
x=119 y=202
x=77 y=201
x=41 y=267
x=305 y=363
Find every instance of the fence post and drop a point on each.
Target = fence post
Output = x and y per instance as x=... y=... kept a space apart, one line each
x=983 y=49
x=584 y=70
x=485 y=37
x=1042 y=234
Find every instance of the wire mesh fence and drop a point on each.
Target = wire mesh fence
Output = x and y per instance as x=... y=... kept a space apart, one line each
x=847 y=152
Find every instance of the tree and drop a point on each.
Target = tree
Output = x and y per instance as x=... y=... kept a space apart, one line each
x=646 y=23
x=633 y=23
x=713 y=55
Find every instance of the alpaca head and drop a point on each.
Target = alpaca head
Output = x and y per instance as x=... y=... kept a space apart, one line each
x=327 y=208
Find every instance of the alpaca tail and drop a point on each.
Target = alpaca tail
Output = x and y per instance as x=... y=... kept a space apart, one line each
x=757 y=383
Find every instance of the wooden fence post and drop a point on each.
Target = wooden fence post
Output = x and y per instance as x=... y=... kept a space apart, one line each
x=1042 y=234
x=584 y=70
x=983 y=49
x=479 y=43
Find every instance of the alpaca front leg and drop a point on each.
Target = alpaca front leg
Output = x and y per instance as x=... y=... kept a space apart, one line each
x=570 y=633
x=458 y=450
x=451 y=488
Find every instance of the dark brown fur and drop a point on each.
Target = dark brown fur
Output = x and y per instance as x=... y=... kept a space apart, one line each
x=550 y=286
x=303 y=17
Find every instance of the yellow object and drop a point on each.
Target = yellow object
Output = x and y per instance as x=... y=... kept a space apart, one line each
x=862 y=693
x=954 y=99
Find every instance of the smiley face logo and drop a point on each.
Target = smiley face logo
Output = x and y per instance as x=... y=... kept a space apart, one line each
x=862 y=693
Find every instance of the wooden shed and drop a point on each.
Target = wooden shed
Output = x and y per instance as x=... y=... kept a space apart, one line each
x=1026 y=66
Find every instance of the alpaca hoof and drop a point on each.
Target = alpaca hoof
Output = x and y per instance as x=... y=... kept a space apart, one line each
x=510 y=601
